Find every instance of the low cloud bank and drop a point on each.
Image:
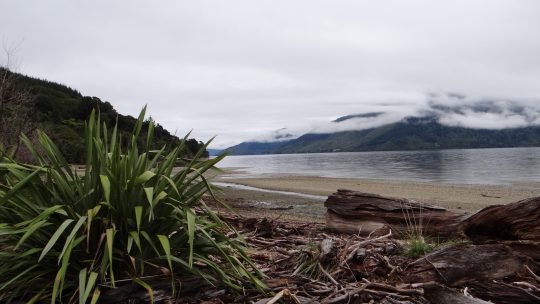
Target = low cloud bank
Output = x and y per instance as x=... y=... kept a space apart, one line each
x=483 y=113
x=450 y=109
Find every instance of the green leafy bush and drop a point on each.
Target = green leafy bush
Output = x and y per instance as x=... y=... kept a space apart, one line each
x=131 y=214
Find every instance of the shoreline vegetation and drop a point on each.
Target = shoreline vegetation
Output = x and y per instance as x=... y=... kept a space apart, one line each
x=29 y=103
x=128 y=221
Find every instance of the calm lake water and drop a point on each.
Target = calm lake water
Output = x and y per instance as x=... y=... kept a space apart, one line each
x=460 y=166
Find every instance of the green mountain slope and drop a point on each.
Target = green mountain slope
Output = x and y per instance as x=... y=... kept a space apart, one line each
x=410 y=134
x=61 y=111
x=252 y=148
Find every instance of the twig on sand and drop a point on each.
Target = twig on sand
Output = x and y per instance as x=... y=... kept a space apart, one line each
x=537 y=278
x=327 y=274
x=285 y=293
x=355 y=247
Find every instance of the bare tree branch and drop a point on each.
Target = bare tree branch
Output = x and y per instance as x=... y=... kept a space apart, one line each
x=15 y=107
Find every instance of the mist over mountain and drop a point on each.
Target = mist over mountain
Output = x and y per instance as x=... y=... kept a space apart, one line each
x=486 y=114
x=447 y=121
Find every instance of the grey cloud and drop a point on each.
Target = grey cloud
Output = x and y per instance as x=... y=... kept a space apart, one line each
x=486 y=114
x=449 y=109
x=242 y=69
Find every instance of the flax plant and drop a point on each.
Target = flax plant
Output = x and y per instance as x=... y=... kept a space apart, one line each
x=134 y=214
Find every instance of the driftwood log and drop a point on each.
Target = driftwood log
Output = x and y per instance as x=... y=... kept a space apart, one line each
x=505 y=293
x=364 y=213
x=441 y=294
x=511 y=222
x=465 y=263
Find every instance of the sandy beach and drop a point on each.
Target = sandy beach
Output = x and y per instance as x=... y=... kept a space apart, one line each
x=460 y=198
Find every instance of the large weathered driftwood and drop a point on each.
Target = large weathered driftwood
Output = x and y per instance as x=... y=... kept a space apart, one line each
x=441 y=294
x=363 y=213
x=514 y=221
x=483 y=269
x=465 y=263
x=505 y=293
x=357 y=212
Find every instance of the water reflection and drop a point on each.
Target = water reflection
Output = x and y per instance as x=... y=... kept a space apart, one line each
x=473 y=166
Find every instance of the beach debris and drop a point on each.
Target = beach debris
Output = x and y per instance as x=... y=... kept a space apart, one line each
x=308 y=263
x=319 y=266
x=285 y=293
x=491 y=196
x=497 y=259
x=328 y=250
x=327 y=267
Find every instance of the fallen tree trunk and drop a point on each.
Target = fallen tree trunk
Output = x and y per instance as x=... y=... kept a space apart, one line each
x=441 y=294
x=526 y=248
x=505 y=293
x=364 y=213
x=493 y=272
x=514 y=221
x=465 y=263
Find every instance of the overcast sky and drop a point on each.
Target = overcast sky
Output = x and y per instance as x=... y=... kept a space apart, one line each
x=243 y=69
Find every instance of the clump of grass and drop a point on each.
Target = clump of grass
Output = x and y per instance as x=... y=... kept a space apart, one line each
x=307 y=261
x=417 y=246
x=66 y=236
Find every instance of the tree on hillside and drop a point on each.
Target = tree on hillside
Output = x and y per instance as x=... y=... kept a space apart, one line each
x=194 y=146
x=27 y=103
x=15 y=109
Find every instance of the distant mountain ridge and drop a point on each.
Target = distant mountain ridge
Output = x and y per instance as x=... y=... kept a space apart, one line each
x=363 y=115
x=411 y=133
x=253 y=147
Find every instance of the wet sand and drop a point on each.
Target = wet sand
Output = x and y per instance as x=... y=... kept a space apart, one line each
x=273 y=205
x=461 y=198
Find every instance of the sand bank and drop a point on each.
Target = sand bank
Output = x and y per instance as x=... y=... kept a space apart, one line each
x=464 y=198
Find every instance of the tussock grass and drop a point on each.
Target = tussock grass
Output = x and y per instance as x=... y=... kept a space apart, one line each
x=66 y=236
x=417 y=245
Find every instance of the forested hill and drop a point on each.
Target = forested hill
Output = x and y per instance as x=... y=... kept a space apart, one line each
x=61 y=112
x=409 y=134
